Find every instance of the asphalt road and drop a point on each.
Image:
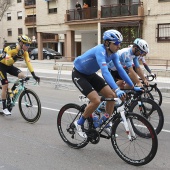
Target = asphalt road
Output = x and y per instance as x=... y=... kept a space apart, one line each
x=38 y=146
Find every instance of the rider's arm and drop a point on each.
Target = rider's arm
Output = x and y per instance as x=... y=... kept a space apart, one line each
x=121 y=71
x=105 y=72
x=27 y=61
x=145 y=65
x=138 y=69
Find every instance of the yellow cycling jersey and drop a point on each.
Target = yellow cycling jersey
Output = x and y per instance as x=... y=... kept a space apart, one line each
x=13 y=53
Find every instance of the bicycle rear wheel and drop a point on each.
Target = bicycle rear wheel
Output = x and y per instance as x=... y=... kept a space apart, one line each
x=29 y=106
x=139 y=151
x=66 y=116
x=151 y=111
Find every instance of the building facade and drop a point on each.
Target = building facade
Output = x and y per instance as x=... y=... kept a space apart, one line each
x=59 y=25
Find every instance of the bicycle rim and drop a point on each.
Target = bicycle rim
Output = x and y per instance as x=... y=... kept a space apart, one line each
x=66 y=116
x=151 y=111
x=30 y=106
x=141 y=150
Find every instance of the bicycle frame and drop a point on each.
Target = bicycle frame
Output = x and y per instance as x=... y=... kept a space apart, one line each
x=120 y=109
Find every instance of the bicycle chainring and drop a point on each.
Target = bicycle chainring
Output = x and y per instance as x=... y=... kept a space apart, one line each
x=93 y=136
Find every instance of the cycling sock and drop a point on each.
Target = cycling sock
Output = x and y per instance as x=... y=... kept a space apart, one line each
x=4 y=103
x=81 y=120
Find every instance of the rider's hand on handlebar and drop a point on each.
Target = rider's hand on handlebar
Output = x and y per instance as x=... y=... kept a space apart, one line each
x=138 y=88
x=35 y=77
x=120 y=94
x=146 y=82
x=139 y=84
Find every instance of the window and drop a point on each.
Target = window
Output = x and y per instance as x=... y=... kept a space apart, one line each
x=20 y=31
x=122 y=2
x=19 y=15
x=52 y=7
x=18 y=1
x=8 y=16
x=163 y=32
x=9 y=32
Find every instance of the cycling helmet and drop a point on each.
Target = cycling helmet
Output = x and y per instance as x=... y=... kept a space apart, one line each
x=113 y=35
x=24 y=39
x=142 y=45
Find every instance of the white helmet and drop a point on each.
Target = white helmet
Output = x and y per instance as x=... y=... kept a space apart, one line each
x=142 y=44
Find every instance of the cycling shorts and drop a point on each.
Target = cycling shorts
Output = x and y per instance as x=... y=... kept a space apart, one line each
x=4 y=69
x=87 y=83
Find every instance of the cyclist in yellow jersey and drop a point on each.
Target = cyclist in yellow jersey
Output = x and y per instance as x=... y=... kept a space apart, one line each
x=10 y=55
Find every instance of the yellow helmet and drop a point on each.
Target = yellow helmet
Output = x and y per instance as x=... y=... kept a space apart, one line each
x=25 y=39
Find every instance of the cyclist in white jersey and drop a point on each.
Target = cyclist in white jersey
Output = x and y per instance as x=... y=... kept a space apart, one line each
x=128 y=56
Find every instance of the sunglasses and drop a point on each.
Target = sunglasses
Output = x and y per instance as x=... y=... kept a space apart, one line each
x=141 y=52
x=27 y=45
x=115 y=43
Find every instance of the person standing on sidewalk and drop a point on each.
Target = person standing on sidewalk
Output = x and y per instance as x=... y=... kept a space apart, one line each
x=90 y=84
x=10 y=55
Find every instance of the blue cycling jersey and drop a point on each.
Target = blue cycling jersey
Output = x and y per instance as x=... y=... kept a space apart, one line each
x=127 y=58
x=96 y=58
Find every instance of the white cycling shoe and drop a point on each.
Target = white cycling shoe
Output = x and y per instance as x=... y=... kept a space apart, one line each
x=6 y=112
x=79 y=130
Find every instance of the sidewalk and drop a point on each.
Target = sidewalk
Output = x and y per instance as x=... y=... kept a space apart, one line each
x=60 y=72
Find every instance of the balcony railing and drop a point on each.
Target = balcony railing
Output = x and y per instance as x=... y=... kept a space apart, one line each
x=119 y=10
x=87 y=13
x=30 y=20
x=49 y=37
x=29 y=3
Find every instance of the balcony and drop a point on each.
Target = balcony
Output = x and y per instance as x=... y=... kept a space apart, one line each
x=83 y=14
x=120 y=10
x=30 y=3
x=47 y=37
x=29 y=21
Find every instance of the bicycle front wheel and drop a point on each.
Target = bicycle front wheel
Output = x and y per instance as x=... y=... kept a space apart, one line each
x=151 y=111
x=140 y=150
x=65 y=123
x=29 y=106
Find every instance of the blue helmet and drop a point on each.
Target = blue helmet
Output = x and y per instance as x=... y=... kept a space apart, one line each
x=113 y=35
x=142 y=44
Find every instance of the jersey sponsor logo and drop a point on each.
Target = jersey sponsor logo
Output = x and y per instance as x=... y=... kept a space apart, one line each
x=104 y=64
x=78 y=85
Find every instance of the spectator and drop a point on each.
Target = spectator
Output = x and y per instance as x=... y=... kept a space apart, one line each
x=79 y=10
x=85 y=5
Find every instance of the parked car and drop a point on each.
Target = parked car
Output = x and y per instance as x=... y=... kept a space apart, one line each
x=1 y=51
x=30 y=49
x=47 y=54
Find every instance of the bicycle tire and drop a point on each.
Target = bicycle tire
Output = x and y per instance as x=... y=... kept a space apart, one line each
x=29 y=102
x=151 y=111
x=156 y=95
x=66 y=129
x=122 y=145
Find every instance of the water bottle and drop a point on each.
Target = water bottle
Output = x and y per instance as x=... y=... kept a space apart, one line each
x=103 y=118
x=95 y=120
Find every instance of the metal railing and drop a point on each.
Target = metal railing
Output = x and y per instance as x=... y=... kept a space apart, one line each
x=119 y=10
x=86 y=13
x=163 y=63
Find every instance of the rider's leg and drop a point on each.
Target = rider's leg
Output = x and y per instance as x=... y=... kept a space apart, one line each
x=21 y=75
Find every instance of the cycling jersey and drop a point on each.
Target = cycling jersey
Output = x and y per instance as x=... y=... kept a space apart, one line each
x=10 y=56
x=127 y=58
x=97 y=58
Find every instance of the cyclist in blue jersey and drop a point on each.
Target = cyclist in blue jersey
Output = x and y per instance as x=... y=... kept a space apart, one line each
x=89 y=83
x=127 y=57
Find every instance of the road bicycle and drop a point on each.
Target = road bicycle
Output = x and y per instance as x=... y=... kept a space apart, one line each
x=153 y=91
x=28 y=101
x=132 y=136
x=139 y=103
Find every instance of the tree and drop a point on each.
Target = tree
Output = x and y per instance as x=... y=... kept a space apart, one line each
x=4 y=5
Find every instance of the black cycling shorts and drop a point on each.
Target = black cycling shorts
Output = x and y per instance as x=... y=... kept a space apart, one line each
x=4 y=69
x=87 y=83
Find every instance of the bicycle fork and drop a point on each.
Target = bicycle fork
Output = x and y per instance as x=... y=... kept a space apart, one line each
x=127 y=124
